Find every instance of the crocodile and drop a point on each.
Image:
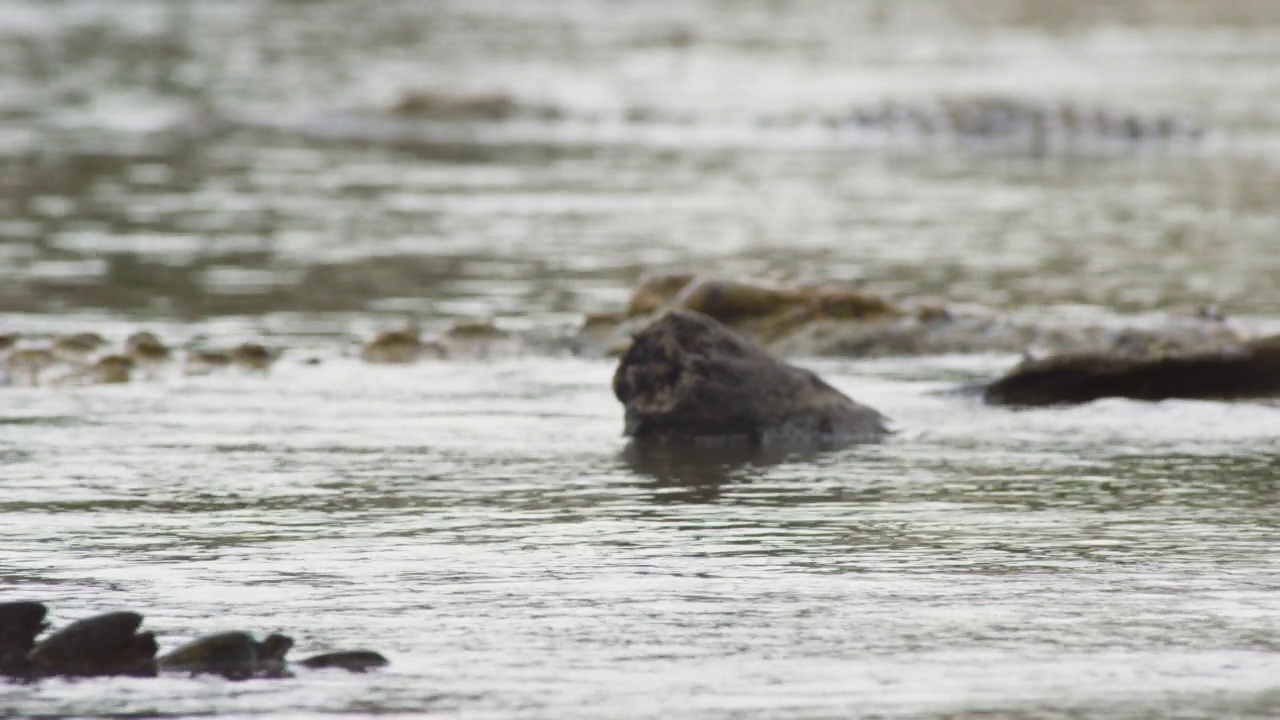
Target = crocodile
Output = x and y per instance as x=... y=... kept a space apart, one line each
x=111 y=644
x=981 y=123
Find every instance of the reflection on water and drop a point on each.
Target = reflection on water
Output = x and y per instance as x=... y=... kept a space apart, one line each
x=694 y=473
x=201 y=169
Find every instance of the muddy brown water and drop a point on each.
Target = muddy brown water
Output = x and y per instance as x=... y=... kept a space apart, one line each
x=211 y=171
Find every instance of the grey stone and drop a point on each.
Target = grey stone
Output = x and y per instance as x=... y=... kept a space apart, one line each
x=687 y=378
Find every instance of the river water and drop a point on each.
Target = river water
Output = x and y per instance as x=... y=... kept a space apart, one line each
x=220 y=172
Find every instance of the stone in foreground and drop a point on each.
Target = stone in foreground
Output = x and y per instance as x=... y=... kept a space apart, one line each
x=1251 y=370
x=234 y=655
x=687 y=378
x=350 y=660
x=106 y=644
x=111 y=644
x=20 y=623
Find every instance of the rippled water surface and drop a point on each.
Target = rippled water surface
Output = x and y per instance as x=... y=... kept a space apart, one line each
x=219 y=172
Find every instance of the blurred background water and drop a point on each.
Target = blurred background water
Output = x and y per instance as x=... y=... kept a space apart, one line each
x=237 y=170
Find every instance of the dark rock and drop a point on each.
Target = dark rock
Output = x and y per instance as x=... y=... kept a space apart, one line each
x=688 y=378
x=107 y=644
x=110 y=644
x=235 y=655
x=20 y=623
x=1251 y=370
x=352 y=660
x=274 y=647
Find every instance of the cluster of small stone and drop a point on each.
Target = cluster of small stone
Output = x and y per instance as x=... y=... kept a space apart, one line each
x=111 y=644
x=473 y=339
x=87 y=358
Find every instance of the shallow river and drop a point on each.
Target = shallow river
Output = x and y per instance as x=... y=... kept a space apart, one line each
x=483 y=523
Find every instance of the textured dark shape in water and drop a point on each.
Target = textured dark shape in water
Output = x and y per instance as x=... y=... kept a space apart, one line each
x=352 y=660
x=696 y=473
x=687 y=378
x=236 y=655
x=106 y=644
x=1249 y=371
x=110 y=644
x=20 y=623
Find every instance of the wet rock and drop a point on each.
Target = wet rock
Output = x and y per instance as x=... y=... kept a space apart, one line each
x=480 y=339
x=203 y=362
x=252 y=356
x=20 y=623
x=844 y=303
x=350 y=660
x=656 y=291
x=729 y=301
x=688 y=378
x=107 y=644
x=235 y=655
x=110 y=370
x=26 y=365
x=274 y=647
x=475 y=330
x=1250 y=370
x=832 y=319
x=146 y=349
x=110 y=644
x=600 y=326
x=398 y=347
x=78 y=346
x=456 y=107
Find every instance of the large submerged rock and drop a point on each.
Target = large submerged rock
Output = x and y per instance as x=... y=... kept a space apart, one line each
x=106 y=644
x=1249 y=370
x=688 y=378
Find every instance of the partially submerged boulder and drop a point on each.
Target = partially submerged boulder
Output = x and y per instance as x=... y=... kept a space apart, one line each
x=20 y=623
x=106 y=644
x=1249 y=370
x=688 y=378
x=349 y=660
x=236 y=655
x=444 y=106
